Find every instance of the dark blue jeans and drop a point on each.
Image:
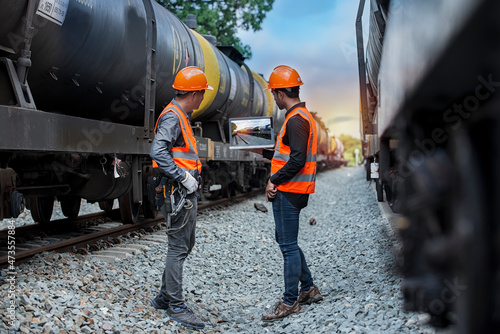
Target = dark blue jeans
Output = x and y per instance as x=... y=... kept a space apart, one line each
x=286 y=219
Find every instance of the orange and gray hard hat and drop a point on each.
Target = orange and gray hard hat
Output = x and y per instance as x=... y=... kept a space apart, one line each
x=284 y=77
x=190 y=79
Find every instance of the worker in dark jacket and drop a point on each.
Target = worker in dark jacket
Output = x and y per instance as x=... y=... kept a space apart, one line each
x=293 y=175
x=174 y=152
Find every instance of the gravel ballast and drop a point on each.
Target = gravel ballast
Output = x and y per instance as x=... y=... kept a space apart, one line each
x=231 y=278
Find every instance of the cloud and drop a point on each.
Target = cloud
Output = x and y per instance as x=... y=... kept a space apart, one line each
x=341 y=119
x=318 y=39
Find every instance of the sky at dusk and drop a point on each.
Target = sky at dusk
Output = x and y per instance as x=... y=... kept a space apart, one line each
x=318 y=39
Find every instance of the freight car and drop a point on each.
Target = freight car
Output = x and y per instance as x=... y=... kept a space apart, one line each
x=336 y=153
x=81 y=86
x=430 y=125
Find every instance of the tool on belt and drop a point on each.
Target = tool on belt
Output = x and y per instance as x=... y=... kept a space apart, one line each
x=173 y=194
x=164 y=191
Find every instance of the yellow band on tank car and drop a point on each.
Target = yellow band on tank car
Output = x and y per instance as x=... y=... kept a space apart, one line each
x=211 y=69
x=269 y=95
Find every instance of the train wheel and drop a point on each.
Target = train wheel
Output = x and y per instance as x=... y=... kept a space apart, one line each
x=129 y=211
x=107 y=205
x=229 y=191
x=225 y=192
x=380 y=189
x=474 y=287
x=367 y=170
x=70 y=206
x=201 y=190
x=41 y=208
x=148 y=210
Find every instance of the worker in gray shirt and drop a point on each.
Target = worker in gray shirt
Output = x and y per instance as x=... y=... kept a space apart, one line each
x=175 y=154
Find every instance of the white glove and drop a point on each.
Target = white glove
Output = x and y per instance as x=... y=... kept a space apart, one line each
x=190 y=183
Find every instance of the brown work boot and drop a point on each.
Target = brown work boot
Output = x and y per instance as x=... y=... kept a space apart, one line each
x=310 y=296
x=281 y=310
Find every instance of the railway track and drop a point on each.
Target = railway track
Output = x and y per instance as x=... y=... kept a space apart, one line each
x=86 y=233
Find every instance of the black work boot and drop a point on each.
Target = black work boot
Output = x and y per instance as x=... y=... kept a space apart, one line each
x=185 y=316
x=160 y=303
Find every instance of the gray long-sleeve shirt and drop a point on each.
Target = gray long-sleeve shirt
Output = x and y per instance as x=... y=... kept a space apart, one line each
x=168 y=135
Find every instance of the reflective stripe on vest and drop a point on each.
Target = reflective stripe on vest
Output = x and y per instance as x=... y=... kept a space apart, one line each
x=185 y=157
x=304 y=181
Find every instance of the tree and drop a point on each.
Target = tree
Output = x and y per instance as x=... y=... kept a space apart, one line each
x=222 y=19
x=350 y=144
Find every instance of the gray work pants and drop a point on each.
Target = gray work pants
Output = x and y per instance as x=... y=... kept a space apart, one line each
x=180 y=245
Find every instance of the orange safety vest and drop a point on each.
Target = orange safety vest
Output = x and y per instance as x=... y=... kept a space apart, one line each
x=185 y=157
x=304 y=181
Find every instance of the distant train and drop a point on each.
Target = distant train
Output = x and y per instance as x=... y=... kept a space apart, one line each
x=258 y=131
x=81 y=86
x=330 y=148
x=430 y=128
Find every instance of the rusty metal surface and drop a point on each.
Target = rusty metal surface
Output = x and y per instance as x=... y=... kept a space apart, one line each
x=31 y=130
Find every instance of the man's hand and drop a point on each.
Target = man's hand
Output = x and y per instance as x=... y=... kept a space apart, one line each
x=190 y=183
x=271 y=191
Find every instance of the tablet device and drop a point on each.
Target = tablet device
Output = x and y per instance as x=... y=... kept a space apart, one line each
x=251 y=132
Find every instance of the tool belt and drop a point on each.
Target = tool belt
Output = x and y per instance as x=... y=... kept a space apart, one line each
x=164 y=191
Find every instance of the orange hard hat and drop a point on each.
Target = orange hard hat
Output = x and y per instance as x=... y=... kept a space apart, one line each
x=190 y=79
x=284 y=77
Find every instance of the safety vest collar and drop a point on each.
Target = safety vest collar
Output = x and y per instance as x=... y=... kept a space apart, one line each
x=298 y=105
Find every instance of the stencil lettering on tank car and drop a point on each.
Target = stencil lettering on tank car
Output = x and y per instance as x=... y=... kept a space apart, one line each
x=53 y=10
